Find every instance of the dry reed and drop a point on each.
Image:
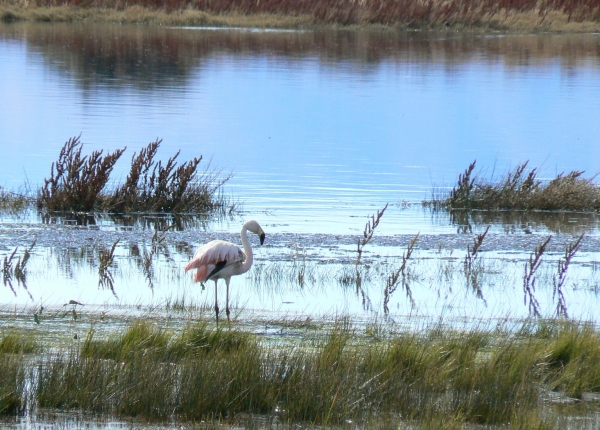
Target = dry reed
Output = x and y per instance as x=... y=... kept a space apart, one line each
x=558 y=280
x=529 y=278
x=399 y=275
x=76 y=181
x=77 y=184
x=521 y=190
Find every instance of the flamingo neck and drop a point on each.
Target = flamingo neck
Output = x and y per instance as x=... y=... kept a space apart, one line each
x=247 y=249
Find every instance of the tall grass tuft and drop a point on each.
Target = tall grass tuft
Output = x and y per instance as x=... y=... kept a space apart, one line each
x=76 y=181
x=472 y=264
x=574 y=359
x=521 y=190
x=370 y=227
x=153 y=187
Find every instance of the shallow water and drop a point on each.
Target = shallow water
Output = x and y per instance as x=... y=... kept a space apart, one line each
x=320 y=130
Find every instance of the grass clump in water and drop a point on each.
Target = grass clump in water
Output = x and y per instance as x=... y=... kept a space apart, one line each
x=522 y=190
x=204 y=373
x=78 y=183
x=154 y=187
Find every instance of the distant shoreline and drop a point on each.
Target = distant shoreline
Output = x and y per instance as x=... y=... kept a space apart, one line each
x=473 y=20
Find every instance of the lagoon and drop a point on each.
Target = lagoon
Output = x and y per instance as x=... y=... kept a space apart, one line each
x=320 y=129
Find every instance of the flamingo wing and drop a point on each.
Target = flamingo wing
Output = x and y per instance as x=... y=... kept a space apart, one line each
x=213 y=257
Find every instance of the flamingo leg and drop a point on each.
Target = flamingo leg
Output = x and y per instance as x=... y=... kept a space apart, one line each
x=216 y=304
x=227 y=298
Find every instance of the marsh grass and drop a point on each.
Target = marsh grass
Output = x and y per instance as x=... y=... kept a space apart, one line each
x=520 y=189
x=333 y=373
x=13 y=342
x=207 y=373
x=78 y=184
x=574 y=359
x=13 y=398
x=454 y=14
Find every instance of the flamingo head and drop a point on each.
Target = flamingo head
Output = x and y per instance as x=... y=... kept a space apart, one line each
x=255 y=228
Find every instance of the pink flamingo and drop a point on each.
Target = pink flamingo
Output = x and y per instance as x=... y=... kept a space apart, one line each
x=219 y=259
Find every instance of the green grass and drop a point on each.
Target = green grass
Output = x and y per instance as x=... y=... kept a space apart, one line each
x=13 y=395
x=333 y=373
x=13 y=398
x=13 y=342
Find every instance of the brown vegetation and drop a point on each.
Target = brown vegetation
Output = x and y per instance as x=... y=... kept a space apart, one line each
x=521 y=190
x=520 y=14
x=79 y=183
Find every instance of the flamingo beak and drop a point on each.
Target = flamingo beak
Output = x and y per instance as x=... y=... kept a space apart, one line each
x=262 y=238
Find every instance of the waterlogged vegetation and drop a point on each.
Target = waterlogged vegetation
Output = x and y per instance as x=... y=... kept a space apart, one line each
x=320 y=372
x=520 y=189
x=78 y=183
x=522 y=15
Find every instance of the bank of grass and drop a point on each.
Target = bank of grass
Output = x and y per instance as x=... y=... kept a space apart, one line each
x=332 y=376
x=520 y=189
x=521 y=15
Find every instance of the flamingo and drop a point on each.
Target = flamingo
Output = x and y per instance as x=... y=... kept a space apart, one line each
x=219 y=259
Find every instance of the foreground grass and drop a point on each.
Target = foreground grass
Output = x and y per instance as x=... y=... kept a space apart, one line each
x=522 y=15
x=522 y=190
x=332 y=376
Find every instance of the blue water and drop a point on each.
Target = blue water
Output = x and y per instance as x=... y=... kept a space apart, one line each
x=309 y=137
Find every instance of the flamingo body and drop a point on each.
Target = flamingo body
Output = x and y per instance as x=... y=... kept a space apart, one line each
x=219 y=259
x=213 y=258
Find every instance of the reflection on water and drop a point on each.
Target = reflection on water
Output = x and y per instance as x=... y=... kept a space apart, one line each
x=515 y=222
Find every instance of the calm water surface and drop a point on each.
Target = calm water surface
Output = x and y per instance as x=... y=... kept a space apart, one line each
x=320 y=129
